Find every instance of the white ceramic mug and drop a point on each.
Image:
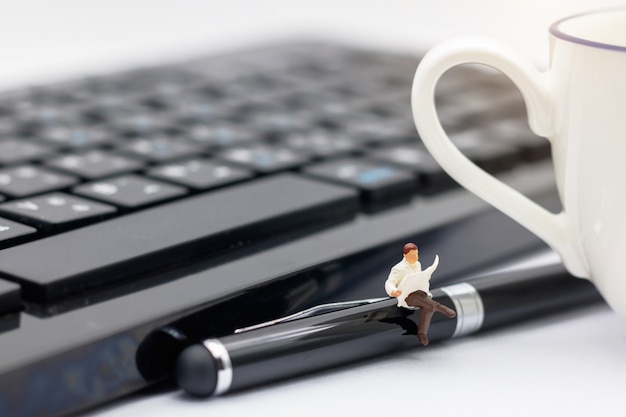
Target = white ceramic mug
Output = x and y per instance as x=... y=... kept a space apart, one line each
x=579 y=104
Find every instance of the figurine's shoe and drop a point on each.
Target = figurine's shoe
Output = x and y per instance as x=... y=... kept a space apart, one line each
x=423 y=339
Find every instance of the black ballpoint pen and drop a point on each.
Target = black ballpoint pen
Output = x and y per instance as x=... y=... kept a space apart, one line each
x=354 y=331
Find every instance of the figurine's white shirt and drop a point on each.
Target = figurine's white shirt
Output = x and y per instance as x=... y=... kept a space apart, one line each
x=399 y=272
x=408 y=278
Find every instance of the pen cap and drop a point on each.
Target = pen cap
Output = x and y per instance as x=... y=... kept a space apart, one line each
x=196 y=371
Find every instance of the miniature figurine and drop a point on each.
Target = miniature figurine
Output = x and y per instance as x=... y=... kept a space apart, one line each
x=410 y=285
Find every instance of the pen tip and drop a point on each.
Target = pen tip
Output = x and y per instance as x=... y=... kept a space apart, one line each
x=196 y=371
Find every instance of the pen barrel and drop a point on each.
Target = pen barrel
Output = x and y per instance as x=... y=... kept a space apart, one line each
x=509 y=297
x=313 y=344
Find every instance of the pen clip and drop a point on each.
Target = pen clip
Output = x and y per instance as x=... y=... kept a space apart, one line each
x=313 y=311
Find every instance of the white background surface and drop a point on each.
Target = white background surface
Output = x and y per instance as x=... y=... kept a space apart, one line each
x=572 y=365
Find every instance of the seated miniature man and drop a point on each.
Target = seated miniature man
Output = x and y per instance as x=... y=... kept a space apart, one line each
x=407 y=269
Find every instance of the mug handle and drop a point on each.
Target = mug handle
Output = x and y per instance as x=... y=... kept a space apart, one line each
x=552 y=228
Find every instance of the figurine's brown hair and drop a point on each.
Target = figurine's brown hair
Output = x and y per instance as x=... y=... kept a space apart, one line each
x=408 y=248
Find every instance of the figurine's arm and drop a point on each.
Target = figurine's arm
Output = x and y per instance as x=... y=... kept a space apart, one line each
x=391 y=285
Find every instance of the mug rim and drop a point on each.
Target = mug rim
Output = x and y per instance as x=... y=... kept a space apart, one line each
x=558 y=33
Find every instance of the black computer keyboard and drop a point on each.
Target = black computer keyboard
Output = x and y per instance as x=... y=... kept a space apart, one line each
x=146 y=210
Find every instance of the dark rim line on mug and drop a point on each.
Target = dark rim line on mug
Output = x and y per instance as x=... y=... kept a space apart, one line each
x=558 y=33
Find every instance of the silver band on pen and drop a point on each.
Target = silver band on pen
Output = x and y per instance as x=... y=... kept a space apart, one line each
x=224 y=365
x=469 y=308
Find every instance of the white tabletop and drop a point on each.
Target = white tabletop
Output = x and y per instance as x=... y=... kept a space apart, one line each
x=569 y=365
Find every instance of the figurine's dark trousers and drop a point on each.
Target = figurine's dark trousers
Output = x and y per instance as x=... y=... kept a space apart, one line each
x=428 y=307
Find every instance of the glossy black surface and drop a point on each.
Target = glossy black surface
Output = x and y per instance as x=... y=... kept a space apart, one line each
x=104 y=341
x=10 y=300
x=100 y=341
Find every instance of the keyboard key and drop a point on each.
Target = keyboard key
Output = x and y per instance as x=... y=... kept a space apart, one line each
x=75 y=136
x=141 y=123
x=159 y=148
x=490 y=154
x=279 y=124
x=10 y=300
x=156 y=79
x=431 y=177
x=8 y=126
x=516 y=132
x=254 y=85
x=200 y=174
x=24 y=180
x=263 y=158
x=104 y=86
x=380 y=184
x=95 y=164
x=56 y=210
x=193 y=108
x=221 y=135
x=398 y=105
x=20 y=150
x=322 y=100
x=108 y=107
x=370 y=129
x=224 y=69
x=321 y=143
x=67 y=93
x=200 y=226
x=46 y=115
x=130 y=191
x=12 y=232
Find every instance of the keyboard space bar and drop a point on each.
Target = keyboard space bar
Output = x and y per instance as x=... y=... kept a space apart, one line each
x=199 y=226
